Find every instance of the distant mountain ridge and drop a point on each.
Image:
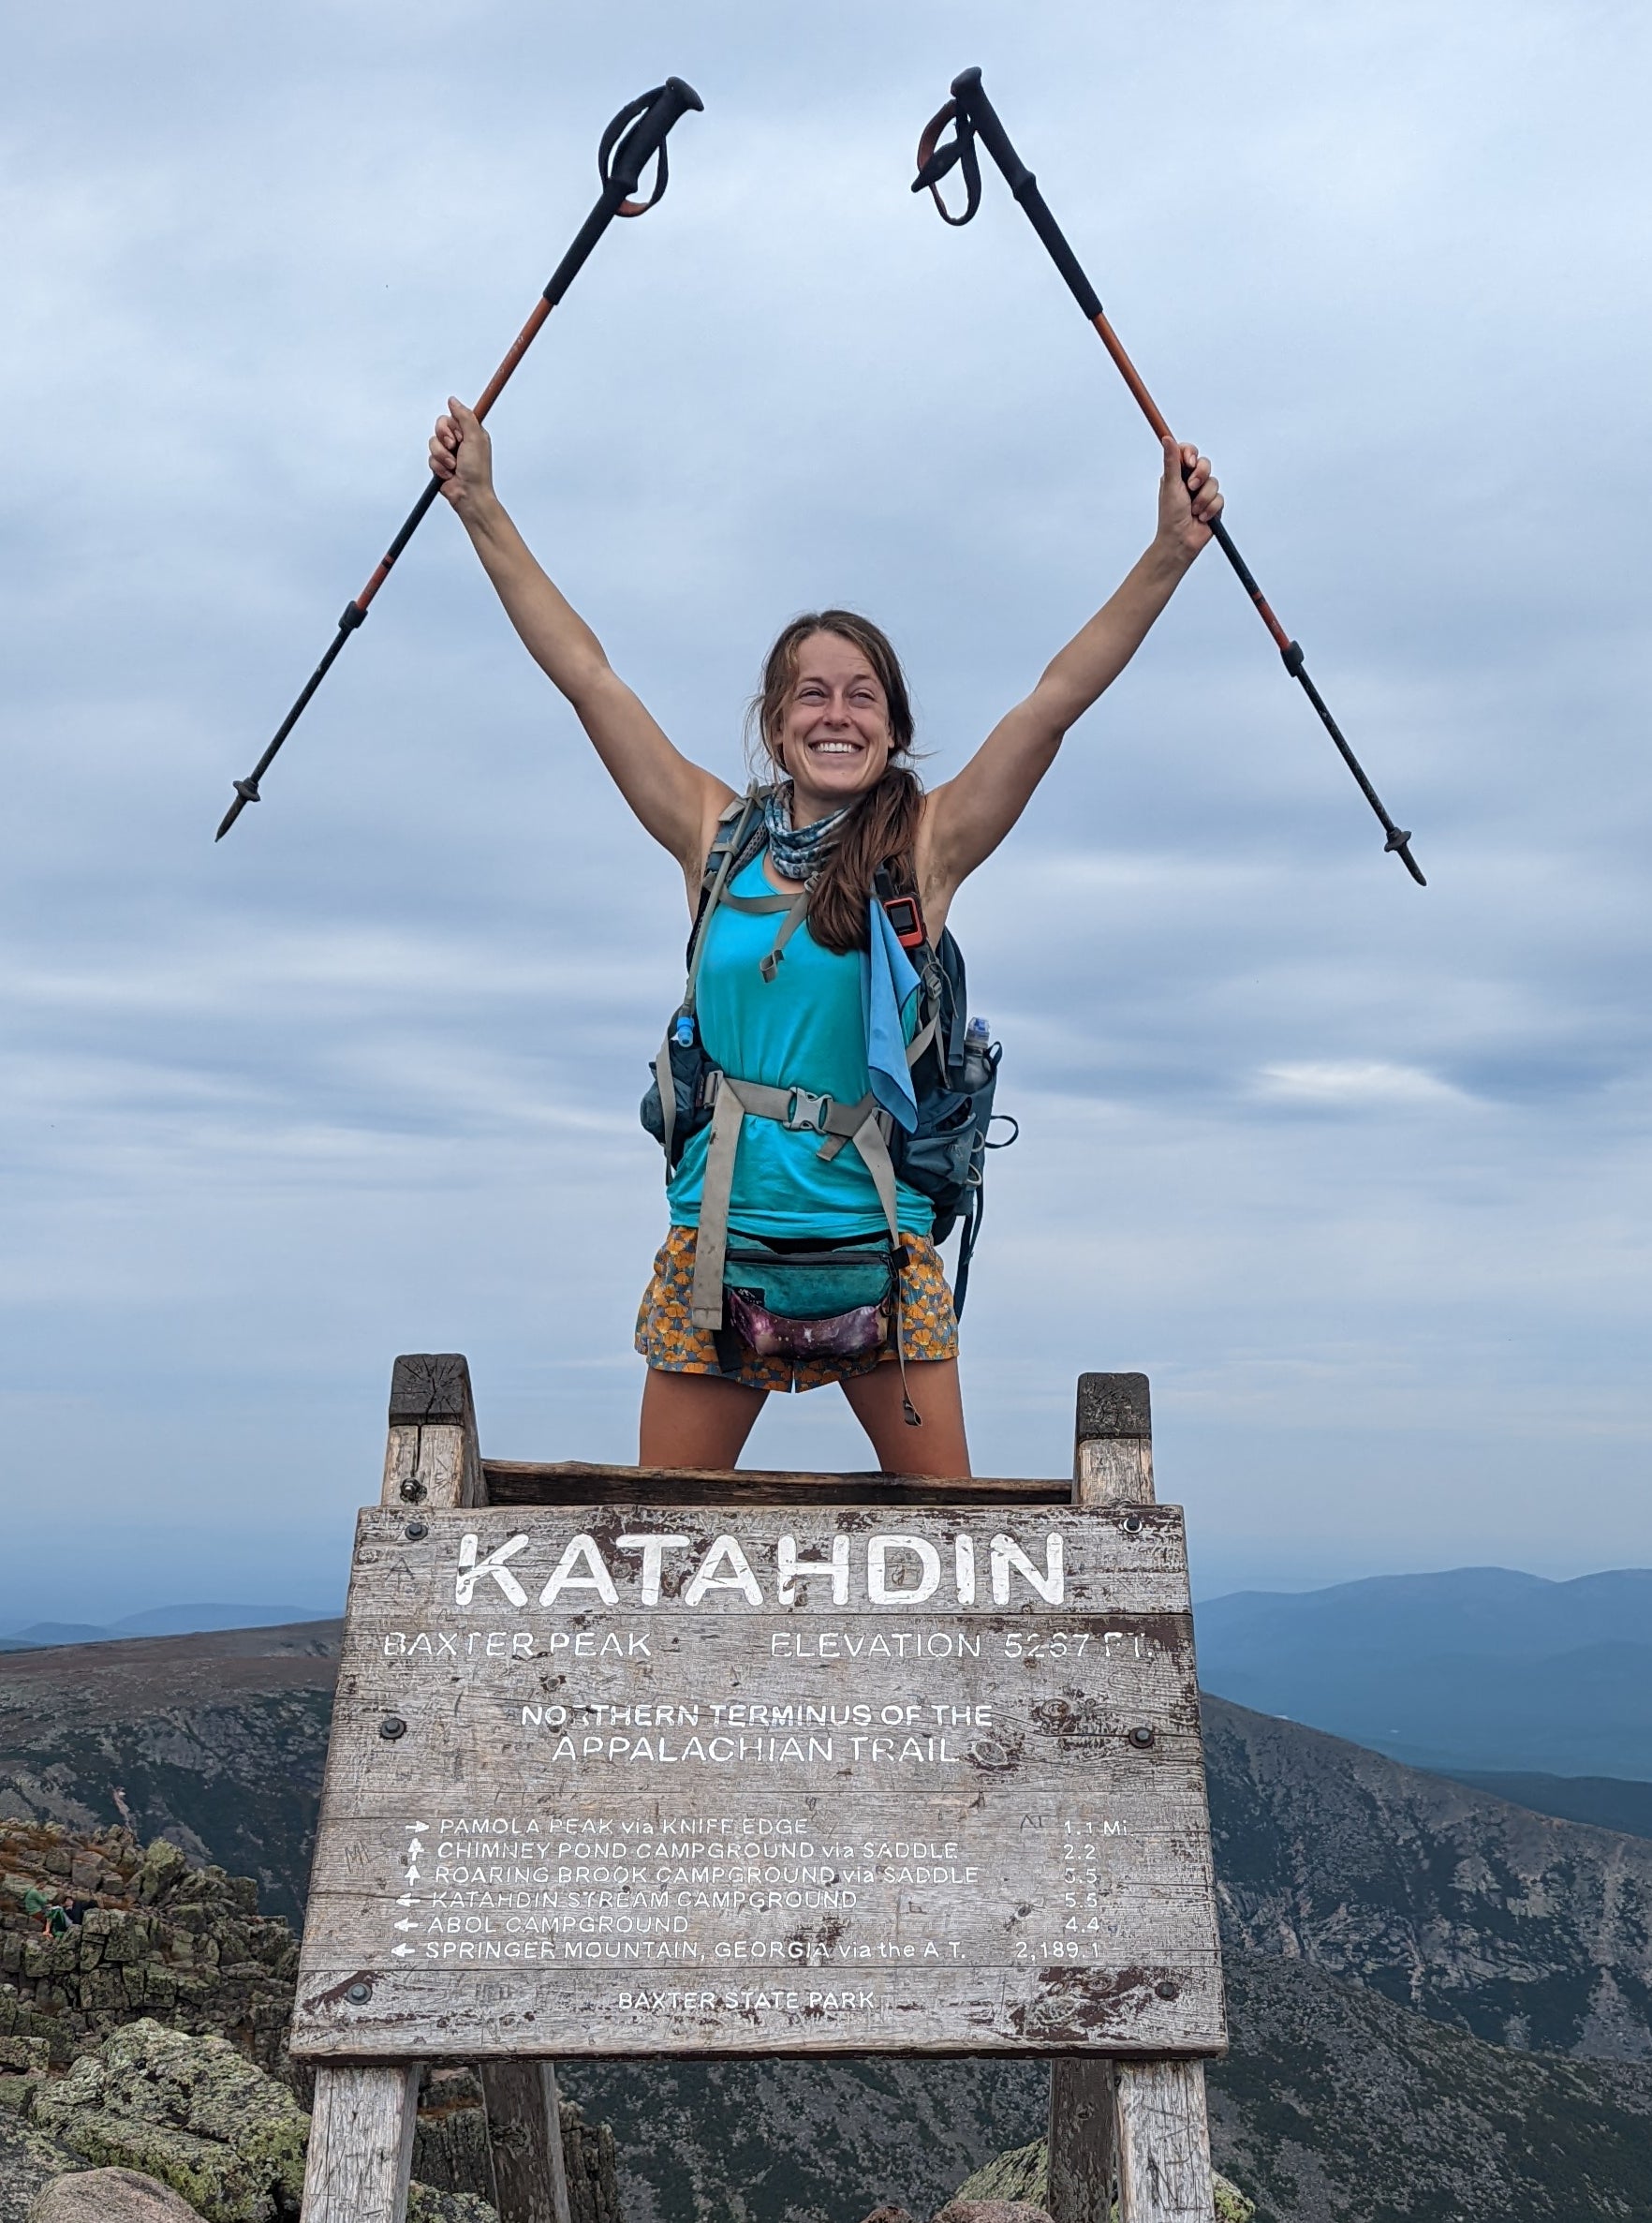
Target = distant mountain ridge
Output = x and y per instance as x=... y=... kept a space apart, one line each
x=162 y=1620
x=1480 y=1669
x=1609 y=1801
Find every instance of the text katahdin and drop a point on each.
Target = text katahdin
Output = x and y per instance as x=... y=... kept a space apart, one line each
x=877 y=1570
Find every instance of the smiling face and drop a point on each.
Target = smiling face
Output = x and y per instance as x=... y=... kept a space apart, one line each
x=833 y=736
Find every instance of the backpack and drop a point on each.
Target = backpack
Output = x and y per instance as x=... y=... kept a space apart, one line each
x=954 y=1067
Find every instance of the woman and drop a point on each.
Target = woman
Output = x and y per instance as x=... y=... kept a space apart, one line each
x=835 y=723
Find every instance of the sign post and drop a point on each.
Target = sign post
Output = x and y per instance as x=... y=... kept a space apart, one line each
x=641 y=1763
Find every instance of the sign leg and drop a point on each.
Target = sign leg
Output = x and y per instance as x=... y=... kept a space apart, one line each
x=1081 y=2142
x=525 y=2130
x=1163 y=2143
x=360 y=2145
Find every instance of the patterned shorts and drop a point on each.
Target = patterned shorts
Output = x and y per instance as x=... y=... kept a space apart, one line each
x=668 y=1338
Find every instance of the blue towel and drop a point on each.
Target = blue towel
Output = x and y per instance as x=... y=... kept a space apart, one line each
x=890 y=987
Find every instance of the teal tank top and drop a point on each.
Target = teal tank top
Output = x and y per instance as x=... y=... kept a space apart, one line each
x=806 y=1029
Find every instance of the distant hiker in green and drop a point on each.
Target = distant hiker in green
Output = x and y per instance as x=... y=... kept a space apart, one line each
x=822 y=1102
x=54 y=1919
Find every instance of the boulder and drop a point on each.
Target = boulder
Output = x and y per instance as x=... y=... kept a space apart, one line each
x=196 y=2116
x=108 y=2195
x=1012 y=2188
x=190 y=2111
x=991 y=2211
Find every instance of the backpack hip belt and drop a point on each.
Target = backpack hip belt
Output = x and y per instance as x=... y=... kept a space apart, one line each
x=862 y=1124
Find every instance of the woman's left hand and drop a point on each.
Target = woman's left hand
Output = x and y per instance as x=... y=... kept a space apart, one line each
x=1189 y=500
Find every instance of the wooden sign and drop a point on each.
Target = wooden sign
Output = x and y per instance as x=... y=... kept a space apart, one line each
x=623 y=1780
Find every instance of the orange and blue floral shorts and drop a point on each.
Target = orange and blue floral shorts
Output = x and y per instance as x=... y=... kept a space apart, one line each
x=668 y=1338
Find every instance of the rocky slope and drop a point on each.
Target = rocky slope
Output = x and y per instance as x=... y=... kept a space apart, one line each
x=1523 y=1929
x=215 y=1742
x=148 y=2031
x=151 y=1935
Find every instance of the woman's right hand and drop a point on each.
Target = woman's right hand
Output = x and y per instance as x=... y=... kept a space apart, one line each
x=462 y=457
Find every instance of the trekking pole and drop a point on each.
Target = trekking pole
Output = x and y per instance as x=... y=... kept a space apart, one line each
x=973 y=117
x=620 y=160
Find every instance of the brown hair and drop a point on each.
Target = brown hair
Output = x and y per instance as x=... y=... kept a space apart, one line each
x=883 y=825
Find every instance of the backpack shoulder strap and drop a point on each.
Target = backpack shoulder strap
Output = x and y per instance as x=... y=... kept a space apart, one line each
x=739 y=836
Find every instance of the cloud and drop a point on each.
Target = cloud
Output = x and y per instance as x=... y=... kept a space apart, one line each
x=1360 y=1171
x=1350 y=1087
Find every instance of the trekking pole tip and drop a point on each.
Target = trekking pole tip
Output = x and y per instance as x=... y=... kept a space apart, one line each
x=246 y=790
x=1401 y=845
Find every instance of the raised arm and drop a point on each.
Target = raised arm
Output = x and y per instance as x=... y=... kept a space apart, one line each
x=969 y=815
x=677 y=801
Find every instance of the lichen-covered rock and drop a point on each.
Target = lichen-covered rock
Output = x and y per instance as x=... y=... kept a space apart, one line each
x=991 y=2211
x=190 y=2111
x=427 y=2205
x=29 y=2161
x=1019 y=2179
x=108 y=2195
x=200 y=2118
x=1021 y=2174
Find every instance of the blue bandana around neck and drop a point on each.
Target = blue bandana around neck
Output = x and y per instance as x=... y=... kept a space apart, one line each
x=799 y=852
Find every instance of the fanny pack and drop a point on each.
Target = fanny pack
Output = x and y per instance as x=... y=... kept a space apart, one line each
x=810 y=1302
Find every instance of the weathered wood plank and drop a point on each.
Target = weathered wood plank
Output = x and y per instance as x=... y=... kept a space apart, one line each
x=1163 y=2143
x=431 y=1457
x=1081 y=2143
x=525 y=2132
x=939 y=1789
x=1113 y=1441
x=362 y=2126
x=732 y=2008
x=566 y=1482
x=1112 y=1405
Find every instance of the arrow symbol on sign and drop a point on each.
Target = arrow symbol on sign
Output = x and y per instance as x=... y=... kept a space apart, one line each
x=405 y=1924
x=406 y=1899
x=401 y=1950
x=413 y=1850
x=412 y=1876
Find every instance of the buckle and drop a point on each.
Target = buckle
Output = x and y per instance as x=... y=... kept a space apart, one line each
x=808 y=1110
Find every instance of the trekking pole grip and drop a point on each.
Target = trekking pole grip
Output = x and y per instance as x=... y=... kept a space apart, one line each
x=622 y=164
x=977 y=113
x=971 y=96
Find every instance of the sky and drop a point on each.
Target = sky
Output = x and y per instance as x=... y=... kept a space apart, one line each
x=1357 y=1172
